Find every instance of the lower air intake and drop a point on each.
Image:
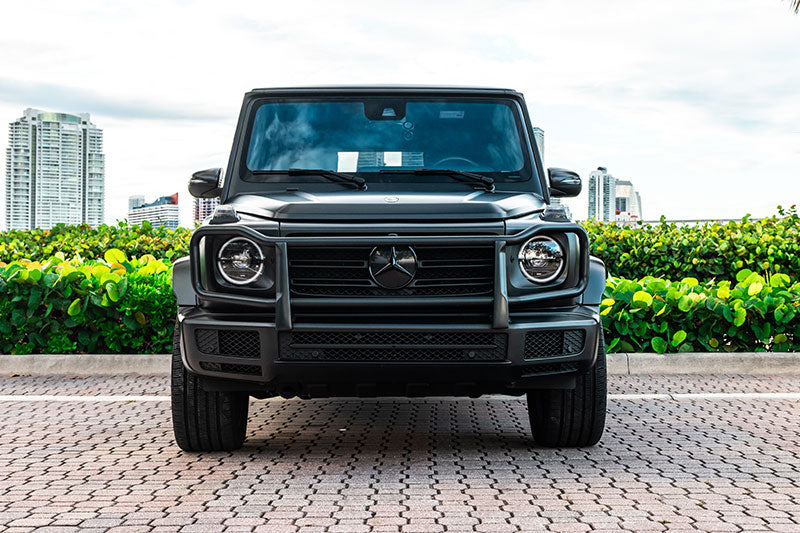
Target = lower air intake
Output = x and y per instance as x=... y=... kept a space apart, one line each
x=553 y=343
x=229 y=342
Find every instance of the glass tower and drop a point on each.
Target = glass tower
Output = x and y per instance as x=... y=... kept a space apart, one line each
x=55 y=171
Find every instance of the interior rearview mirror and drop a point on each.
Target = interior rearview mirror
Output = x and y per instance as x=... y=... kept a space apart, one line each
x=205 y=183
x=564 y=183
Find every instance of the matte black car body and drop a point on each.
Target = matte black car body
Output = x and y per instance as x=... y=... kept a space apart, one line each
x=283 y=339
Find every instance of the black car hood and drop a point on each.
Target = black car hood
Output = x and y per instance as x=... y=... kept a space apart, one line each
x=361 y=206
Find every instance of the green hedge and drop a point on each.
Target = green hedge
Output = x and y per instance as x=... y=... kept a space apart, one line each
x=745 y=302
x=116 y=305
x=85 y=241
x=703 y=251
x=749 y=314
x=121 y=305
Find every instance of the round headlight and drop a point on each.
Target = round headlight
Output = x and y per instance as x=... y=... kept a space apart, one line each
x=541 y=259
x=240 y=261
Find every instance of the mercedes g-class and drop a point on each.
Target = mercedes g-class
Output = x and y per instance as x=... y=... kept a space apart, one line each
x=387 y=241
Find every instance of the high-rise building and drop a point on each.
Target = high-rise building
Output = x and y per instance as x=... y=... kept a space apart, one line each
x=162 y=212
x=135 y=201
x=55 y=171
x=628 y=203
x=602 y=195
x=203 y=208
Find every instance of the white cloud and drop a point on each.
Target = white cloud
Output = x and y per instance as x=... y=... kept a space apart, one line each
x=696 y=103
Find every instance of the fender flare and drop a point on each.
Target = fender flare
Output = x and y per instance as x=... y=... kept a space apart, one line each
x=182 y=283
x=593 y=294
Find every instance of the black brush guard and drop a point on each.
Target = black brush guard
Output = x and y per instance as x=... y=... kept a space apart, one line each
x=499 y=300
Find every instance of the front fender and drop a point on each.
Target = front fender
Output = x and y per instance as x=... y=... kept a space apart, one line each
x=593 y=294
x=182 y=283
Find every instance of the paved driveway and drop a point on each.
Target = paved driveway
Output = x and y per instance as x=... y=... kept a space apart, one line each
x=715 y=463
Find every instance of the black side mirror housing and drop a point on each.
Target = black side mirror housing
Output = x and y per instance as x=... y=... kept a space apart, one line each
x=205 y=183
x=564 y=183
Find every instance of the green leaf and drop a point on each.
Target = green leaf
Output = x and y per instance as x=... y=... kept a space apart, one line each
x=740 y=316
x=754 y=289
x=685 y=304
x=678 y=337
x=659 y=344
x=122 y=287
x=114 y=256
x=111 y=290
x=140 y=318
x=50 y=279
x=74 y=308
x=642 y=299
x=779 y=280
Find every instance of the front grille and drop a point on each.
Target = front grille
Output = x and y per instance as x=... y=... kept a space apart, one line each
x=228 y=368
x=229 y=342
x=553 y=343
x=392 y=346
x=443 y=270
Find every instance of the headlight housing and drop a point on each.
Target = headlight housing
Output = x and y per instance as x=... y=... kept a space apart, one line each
x=541 y=259
x=240 y=261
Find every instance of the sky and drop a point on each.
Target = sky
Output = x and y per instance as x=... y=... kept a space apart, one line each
x=696 y=103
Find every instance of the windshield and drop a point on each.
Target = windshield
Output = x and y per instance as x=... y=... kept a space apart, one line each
x=368 y=135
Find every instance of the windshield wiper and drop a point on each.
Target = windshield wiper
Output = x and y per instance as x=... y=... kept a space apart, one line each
x=459 y=175
x=337 y=177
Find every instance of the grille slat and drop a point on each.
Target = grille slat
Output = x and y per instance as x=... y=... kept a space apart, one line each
x=343 y=271
x=392 y=346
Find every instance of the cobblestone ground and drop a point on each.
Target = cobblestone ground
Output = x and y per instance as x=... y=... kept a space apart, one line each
x=402 y=465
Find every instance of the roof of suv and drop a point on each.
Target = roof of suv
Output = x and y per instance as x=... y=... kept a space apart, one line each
x=384 y=89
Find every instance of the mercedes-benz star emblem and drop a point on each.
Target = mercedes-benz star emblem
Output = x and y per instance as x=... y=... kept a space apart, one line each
x=392 y=267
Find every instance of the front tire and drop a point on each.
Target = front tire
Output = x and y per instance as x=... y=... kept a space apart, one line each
x=204 y=421
x=576 y=417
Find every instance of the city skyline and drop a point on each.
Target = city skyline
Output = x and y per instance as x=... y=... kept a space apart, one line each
x=55 y=171
x=163 y=211
x=671 y=109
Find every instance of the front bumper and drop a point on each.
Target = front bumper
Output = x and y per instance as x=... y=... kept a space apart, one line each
x=536 y=350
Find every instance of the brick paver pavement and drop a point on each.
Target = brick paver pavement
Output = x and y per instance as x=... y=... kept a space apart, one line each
x=402 y=465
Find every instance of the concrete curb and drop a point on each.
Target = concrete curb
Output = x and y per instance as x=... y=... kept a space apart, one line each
x=618 y=364
x=86 y=364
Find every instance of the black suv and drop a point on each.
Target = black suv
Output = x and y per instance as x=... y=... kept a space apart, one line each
x=387 y=241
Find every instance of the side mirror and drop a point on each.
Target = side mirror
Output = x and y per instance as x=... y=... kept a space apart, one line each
x=564 y=183
x=205 y=183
